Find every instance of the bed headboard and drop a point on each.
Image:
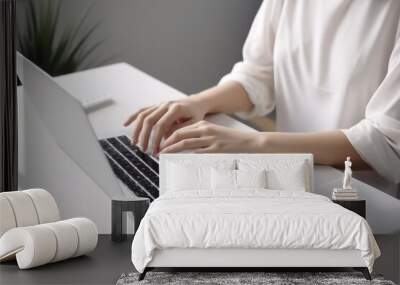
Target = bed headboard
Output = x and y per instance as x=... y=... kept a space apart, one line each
x=210 y=158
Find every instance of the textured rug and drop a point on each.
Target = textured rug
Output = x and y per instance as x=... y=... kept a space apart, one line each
x=244 y=278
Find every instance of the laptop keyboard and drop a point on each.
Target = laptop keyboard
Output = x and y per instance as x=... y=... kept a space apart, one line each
x=136 y=169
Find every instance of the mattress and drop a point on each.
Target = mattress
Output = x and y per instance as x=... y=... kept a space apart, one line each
x=250 y=219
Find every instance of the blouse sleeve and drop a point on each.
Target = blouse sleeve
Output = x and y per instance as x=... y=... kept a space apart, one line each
x=377 y=137
x=255 y=71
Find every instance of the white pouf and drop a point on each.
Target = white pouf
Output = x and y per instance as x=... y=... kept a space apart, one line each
x=31 y=233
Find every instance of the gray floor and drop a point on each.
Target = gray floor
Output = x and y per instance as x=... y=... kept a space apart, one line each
x=110 y=260
x=103 y=266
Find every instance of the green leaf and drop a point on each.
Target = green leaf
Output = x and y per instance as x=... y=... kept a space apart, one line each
x=81 y=22
x=94 y=63
x=83 y=40
x=60 y=50
x=83 y=55
x=54 y=24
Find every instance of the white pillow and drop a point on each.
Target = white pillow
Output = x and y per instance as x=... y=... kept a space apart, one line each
x=251 y=178
x=223 y=179
x=281 y=174
x=226 y=179
x=183 y=175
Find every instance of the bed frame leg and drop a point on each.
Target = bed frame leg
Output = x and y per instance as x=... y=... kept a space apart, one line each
x=364 y=271
x=143 y=274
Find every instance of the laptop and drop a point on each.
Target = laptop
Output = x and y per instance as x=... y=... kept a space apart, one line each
x=109 y=161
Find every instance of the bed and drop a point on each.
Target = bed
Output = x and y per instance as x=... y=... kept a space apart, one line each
x=246 y=211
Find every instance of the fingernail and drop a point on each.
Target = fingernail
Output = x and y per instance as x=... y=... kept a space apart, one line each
x=156 y=150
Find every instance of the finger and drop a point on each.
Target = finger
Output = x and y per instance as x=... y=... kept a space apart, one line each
x=163 y=125
x=148 y=124
x=134 y=115
x=198 y=128
x=188 y=144
x=209 y=149
x=182 y=134
x=178 y=126
x=139 y=123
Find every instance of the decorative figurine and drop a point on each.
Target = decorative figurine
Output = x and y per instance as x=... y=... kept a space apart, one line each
x=346 y=192
x=347 y=174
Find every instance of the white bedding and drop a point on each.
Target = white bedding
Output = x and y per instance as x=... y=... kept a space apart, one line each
x=250 y=218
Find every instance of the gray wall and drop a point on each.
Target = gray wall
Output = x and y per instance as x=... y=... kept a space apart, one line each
x=189 y=44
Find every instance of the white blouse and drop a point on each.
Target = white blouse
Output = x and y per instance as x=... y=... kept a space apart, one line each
x=329 y=65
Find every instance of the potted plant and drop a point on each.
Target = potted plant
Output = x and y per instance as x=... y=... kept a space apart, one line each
x=57 y=50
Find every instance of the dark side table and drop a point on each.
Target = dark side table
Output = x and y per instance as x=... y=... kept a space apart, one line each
x=119 y=208
x=356 y=206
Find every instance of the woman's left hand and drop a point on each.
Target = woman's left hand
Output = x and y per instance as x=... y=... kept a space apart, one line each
x=205 y=137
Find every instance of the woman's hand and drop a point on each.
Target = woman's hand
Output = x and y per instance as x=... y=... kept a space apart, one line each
x=161 y=121
x=205 y=137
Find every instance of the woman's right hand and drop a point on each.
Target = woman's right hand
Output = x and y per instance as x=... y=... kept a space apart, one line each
x=157 y=122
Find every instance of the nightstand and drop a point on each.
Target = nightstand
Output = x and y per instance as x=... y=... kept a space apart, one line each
x=119 y=207
x=357 y=206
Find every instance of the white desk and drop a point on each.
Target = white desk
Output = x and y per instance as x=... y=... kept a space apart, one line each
x=43 y=164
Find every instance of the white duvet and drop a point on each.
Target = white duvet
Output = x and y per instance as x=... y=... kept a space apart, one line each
x=250 y=219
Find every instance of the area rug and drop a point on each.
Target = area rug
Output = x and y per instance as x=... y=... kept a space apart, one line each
x=244 y=278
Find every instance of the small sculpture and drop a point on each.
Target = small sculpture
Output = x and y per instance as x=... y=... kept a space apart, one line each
x=347 y=174
x=347 y=192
